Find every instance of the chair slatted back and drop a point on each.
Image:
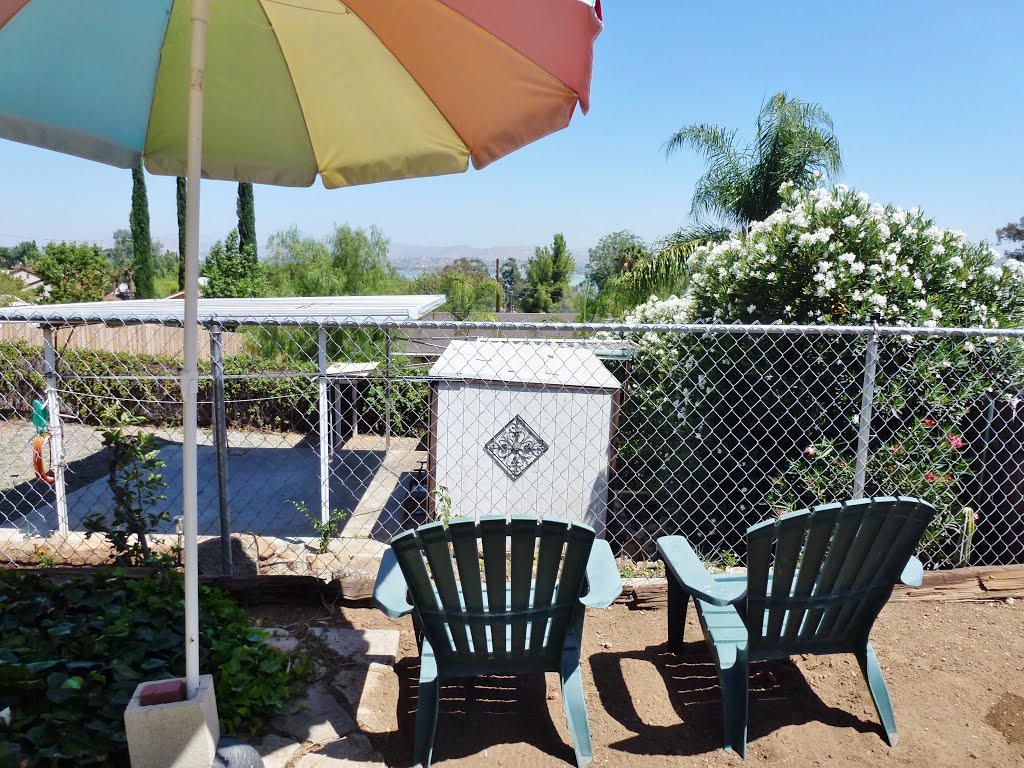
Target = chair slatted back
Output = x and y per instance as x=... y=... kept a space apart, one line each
x=496 y=590
x=818 y=578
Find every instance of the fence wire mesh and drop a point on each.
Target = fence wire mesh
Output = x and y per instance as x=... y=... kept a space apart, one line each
x=317 y=444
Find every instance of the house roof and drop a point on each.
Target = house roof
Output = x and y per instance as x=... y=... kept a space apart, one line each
x=523 y=362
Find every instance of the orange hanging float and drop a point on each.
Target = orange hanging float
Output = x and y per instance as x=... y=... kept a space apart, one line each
x=39 y=444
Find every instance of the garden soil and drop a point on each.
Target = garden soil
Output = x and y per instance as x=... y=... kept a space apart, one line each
x=955 y=671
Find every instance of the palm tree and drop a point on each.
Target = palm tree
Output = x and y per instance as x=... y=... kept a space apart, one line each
x=794 y=142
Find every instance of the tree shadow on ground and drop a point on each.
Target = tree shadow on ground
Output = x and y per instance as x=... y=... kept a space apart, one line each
x=779 y=696
x=475 y=714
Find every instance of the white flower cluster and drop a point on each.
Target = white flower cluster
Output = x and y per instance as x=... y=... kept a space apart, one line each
x=833 y=256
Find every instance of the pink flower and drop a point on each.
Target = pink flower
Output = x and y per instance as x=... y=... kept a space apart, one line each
x=955 y=441
x=810 y=450
x=948 y=479
x=975 y=517
x=842 y=464
x=931 y=477
x=929 y=422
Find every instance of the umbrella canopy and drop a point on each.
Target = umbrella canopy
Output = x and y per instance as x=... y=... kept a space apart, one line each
x=278 y=92
x=357 y=91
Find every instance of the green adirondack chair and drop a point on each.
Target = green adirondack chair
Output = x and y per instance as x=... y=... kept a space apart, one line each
x=475 y=616
x=816 y=580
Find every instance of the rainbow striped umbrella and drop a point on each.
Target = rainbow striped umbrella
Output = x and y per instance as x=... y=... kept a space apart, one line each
x=356 y=91
x=279 y=91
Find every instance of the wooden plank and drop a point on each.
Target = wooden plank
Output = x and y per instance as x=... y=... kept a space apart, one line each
x=995 y=582
x=134 y=339
x=246 y=589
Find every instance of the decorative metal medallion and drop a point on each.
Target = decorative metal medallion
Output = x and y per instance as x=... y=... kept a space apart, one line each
x=515 y=447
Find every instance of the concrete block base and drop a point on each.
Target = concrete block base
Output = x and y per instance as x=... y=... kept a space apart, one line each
x=179 y=734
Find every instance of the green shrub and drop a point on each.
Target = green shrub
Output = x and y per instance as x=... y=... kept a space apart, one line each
x=410 y=405
x=137 y=485
x=94 y=380
x=714 y=420
x=71 y=655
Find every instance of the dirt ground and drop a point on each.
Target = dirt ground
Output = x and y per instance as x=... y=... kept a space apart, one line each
x=955 y=671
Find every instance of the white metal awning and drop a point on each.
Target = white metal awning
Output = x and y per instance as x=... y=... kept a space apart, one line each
x=311 y=310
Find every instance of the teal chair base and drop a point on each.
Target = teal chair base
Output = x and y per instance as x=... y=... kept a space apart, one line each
x=479 y=616
x=725 y=634
x=572 y=699
x=815 y=583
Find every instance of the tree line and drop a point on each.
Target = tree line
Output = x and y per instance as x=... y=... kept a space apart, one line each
x=793 y=143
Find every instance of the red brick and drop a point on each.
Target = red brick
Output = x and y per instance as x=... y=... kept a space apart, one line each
x=162 y=693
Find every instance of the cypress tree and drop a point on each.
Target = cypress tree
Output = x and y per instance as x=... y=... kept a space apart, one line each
x=141 y=242
x=562 y=266
x=182 y=188
x=246 y=217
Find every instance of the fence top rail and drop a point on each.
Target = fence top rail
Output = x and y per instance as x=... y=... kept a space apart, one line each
x=405 y=313
x=300 y=310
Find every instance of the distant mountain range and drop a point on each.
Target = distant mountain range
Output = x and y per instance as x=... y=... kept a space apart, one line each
x=419 y=258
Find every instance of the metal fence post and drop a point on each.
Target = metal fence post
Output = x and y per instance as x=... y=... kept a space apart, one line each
x=387 y=390
x=325 y=436
x=56 y=432
x=867 y=399
x=220 y=432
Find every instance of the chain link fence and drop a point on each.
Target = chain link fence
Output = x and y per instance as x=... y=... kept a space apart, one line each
x=318 y=443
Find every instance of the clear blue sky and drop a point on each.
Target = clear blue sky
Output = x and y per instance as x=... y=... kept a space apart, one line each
x=926 y=98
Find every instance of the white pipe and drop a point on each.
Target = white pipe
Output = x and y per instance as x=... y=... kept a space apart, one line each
x=56 y=432
x=325 y=430
x=190 y=374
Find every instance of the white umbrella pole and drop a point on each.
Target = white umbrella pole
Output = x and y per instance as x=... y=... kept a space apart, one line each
x=190 y=375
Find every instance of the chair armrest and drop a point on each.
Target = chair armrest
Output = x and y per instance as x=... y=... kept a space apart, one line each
x=602 y=577
x=683 y=565
x=913 y=572
x=390 y=592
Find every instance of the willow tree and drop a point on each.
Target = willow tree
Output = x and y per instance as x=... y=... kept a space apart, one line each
x=793 y=142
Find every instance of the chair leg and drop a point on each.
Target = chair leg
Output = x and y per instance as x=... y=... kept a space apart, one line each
x=426 y=708
x=735 y=680
x=678 y=600
x=879 y=692
x=575 y=707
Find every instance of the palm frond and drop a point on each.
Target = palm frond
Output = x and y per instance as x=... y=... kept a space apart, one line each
x=667 y=269
x=714 y=142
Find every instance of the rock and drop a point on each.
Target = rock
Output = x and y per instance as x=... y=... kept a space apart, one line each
x=372 y=693
x=234 y=754
x=282 y=641
x=364 y=646
x=318 y=719
x=276 y=751
x=353 y=751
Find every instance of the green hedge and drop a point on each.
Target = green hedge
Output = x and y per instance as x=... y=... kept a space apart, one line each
x=147 y=385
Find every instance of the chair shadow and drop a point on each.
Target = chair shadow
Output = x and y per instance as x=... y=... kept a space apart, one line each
x=475 y=714
x=779 y=696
